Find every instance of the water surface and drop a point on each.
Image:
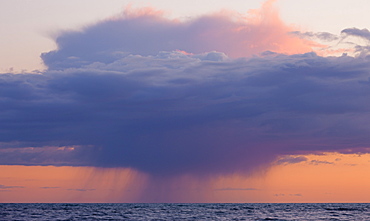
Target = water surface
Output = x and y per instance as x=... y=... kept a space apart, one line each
x=249 y=211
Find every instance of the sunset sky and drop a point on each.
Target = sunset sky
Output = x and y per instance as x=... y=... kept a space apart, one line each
x=184 y=101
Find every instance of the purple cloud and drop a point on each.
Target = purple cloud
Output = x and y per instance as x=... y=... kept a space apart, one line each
x=10 y=187
x=176 y=114
x=49 y=187
x=147 y=32
x=291 y=160
x=81 y=190
x=237 y=189
x=324 y=36
x=297 y=194
x=317 y=162
x=356 y=32
x=121 y=94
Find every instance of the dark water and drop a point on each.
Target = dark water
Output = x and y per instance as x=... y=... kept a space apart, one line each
x=184 y=211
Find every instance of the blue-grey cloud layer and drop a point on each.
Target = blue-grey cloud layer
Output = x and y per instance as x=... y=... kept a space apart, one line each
x=175 y=113
x=164 y=112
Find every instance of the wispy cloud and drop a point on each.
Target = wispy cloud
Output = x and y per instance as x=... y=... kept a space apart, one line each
x=285 y=195
x=356 y=32
x=49 y=187
x=236 y=189
x=81 y=190
x=291 y=160
x=323 y=36
x=317 y=162
x=297 y=194
x=10 y=187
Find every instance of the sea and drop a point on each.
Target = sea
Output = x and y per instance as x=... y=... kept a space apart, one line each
x=171 y=211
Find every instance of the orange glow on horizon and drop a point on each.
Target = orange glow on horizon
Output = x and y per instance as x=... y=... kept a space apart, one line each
x=326 y=178
x=331 y=177
x=67 y=184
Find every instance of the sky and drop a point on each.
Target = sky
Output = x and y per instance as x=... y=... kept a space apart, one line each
x=152 y=101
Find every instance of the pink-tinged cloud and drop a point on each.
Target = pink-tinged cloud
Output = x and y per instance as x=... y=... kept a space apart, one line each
x=147 y=31
x=131 y=13
x=262 y=30
x=163 y=97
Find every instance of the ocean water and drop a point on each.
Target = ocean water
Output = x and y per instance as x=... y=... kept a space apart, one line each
x=41 y=211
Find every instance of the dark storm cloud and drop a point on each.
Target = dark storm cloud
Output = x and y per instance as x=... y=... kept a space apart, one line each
x=120 y=93
x=175 y=114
